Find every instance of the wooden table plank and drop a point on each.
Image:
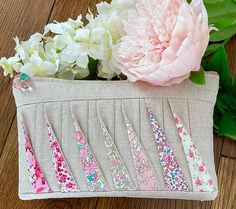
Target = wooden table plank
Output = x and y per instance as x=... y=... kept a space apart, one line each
x=64 y=9
x=218 y=145
x=227 y=185
x=138 y=203
x=231 y=49
x=17 y=18
x=229 y=148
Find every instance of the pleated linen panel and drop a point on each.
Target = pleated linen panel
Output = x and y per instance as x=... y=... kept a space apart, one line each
x=90 y=102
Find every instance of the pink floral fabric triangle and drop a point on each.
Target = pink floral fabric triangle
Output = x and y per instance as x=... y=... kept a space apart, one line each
x=94 y=176
x=37 y=179
x=147 y=178
x=120 y=174
x=65 y=179
x=201 y=179
x=172 y=172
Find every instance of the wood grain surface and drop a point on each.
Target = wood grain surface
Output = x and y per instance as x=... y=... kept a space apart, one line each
x=24 y=17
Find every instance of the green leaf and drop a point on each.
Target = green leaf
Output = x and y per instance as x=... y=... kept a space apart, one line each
x=220 y=9
x=226 y=101
x=217 y=119
x=92 y=69
x=198 y=77
x=212 y=48
x=226 y=29
x=234 y=87
x=219 y=63
x=228 y=126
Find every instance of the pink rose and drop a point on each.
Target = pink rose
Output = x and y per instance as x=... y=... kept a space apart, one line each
x=190 y=154
x=198 y=182
x=180 y=130
x=210 y=181
x=201 y=168
x=163 y=41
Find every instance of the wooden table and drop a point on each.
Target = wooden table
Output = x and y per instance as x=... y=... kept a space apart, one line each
x=24 y=17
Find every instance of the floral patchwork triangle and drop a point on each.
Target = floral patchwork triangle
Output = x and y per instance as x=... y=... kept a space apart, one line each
x=147 y=178
x=94 y=176
x=65 y=179
x=172 y=172
x=37 y=179
x=120 y=174
x=201 y=179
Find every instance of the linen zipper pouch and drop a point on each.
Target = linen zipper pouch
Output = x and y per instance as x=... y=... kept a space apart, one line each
x=116 y=139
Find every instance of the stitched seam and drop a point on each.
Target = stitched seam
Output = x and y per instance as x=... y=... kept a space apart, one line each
x=50 y=80
x=88 y=112
x=139 y=124
x=92 y=99
x=62 y=125
x=114 y=103
x=189 y=119
x=128 y=191
x=36 y=118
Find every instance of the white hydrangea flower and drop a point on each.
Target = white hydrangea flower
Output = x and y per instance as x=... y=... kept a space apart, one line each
x=62 y=41
x=34 y=46
x=104 y=71
x=65 y=52
x=69 y=26
x=94 y=42
x=10 y=65
x=110 y=17
x=81 y=72
x=71 y=53
x=109 y=20
x=51 y=53
x=37 y=66
x=72 y=71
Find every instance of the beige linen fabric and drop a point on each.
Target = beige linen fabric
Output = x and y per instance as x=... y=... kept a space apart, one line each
x=58 y=98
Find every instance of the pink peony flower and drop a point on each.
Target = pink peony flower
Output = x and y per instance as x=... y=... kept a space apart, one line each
x=163 y=42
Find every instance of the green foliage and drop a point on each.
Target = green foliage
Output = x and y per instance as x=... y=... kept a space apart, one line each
x=225 y=109
x=198 y=77
x=222 y=15
x=92 y=69
x=214 y=47
x=219 y=63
